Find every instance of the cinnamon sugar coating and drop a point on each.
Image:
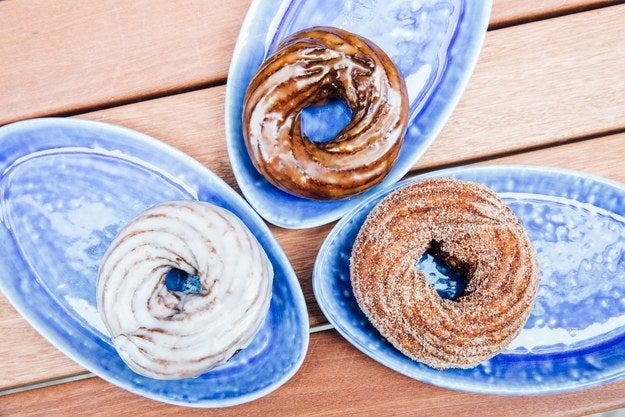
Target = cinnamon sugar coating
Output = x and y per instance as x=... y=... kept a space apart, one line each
x=309 y=68
x=475 y=232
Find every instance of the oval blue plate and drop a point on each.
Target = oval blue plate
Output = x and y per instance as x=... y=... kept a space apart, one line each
x=434 y=43
x=67 y=187
x=575 y=336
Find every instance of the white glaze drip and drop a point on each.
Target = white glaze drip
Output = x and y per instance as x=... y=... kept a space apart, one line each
x=170 y=335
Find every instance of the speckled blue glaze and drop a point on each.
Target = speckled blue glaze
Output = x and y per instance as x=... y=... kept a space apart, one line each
x=575 y=336
x=67 y=187
x=434 y=43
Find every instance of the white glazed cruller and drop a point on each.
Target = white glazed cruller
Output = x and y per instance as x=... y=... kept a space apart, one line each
x=167 y=334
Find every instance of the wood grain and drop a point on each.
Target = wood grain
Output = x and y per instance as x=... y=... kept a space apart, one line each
x=63 y=56
x=27 y=357
x=514 y=12
x=601 y=156
x=193 y=122
x=71 y=55
x=335 y=379
x=509 y=103
x=537 y=84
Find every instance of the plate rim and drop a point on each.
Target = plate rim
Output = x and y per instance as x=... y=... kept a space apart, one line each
x=441 y=382
x=391 y=179
x=48 y=334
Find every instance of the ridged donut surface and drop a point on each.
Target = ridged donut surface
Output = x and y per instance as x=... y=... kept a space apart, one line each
x=472 y=230
x=309 y=68
x=167 y=334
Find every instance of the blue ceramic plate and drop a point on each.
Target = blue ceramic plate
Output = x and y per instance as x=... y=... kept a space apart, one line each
x=434 y=43
x=66 y=189
x=575 y=336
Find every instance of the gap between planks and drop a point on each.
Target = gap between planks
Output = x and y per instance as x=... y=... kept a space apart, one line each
x=418 y=170
x=137 y=99
x=505 y=15
x=496 y=23
x=435 y=166
x=328 y=326
x=86 y=374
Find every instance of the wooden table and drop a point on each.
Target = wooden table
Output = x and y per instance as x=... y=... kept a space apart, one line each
x=549 y=89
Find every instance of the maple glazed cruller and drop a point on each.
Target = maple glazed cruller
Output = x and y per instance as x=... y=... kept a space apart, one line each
x=168 y=334
x=471 y=229
x=309 y=68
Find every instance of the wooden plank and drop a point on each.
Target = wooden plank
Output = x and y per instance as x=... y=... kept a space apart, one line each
x=600 y=93
x=71 y=55
x=602 y=156
x=537 y=84
x=193 y=122
x=335 y=379
x=62 y=56
x=28 y=357
x=514 y=12
x=509 y=104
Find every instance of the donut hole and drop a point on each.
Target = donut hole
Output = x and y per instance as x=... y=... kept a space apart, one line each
x=448 y=281
x=324 y=120
x=178 y=280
